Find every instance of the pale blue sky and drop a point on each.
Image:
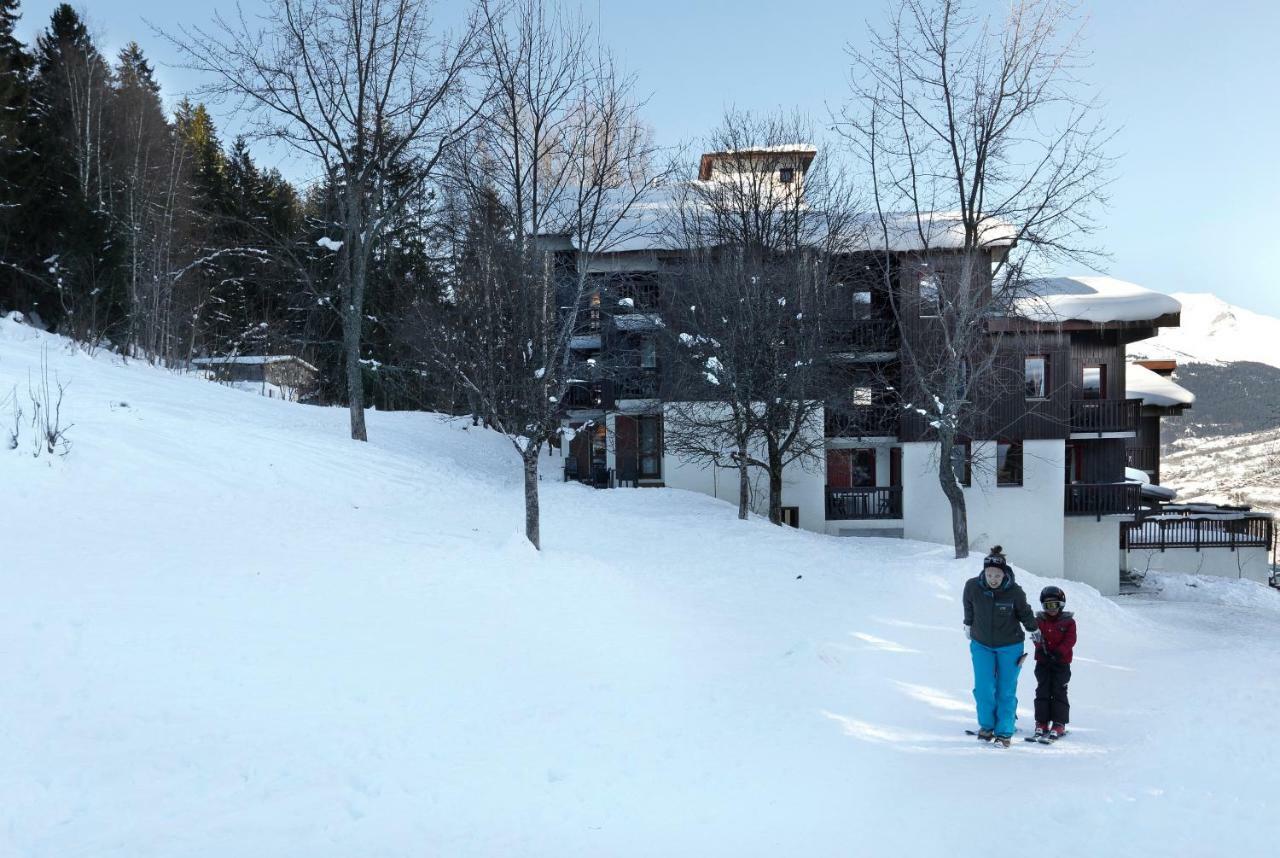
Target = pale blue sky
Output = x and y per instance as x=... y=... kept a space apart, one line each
x=1192 y=86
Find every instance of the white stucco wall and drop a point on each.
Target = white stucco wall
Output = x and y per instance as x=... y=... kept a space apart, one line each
x=802 y=487
x=1027 y=520
x=1090 y=552
x=1242 y=563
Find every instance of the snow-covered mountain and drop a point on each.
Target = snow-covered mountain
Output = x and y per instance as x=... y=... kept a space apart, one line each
x=229 y=630
x=1224 y=449
x=1214 y=332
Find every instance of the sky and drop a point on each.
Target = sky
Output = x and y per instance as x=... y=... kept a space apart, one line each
x=1191 y=88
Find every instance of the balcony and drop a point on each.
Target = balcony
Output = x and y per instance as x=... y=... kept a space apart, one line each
x=1222 y=531
x=636 y=384
x=1105 y=415
x=868 y=422
x=1103 y=498
x=584 y=396
x=861 y=336
x=880 y=502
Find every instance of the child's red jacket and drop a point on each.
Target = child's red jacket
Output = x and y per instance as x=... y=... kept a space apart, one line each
x=1059 y=636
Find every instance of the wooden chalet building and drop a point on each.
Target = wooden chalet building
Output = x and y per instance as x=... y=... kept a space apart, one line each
x=1048 y=473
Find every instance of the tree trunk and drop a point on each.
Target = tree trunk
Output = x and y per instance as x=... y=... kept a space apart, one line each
x=744 y=486
x=947 y=479
x=775 y=485
x=531 y=518
x=351 y=318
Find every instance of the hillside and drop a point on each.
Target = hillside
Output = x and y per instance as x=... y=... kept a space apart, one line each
x=228 y=630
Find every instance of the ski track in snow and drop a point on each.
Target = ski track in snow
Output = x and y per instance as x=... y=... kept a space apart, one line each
x=227 y=630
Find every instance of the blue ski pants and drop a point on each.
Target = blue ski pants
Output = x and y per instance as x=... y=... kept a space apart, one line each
x=995 y=685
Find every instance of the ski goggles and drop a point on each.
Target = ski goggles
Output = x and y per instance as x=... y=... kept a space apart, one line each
x=1052 y=605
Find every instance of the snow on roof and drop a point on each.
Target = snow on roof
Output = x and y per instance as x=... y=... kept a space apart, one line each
x=1149 y=489
x=1091 y=299
x=250 y=360
x=1154 y=389
x=638 y=321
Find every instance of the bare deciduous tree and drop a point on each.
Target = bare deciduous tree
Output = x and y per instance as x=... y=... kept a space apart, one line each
x=359 y=87
x=552 y=176
x=762 y=231
x=985 y=157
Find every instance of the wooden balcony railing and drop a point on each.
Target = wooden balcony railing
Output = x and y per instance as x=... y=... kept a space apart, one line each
x=861 y=335
x=1143 y=458
x=584 y=396
x=1103 y=498
x=636 y=384
x=864 y=503
x=1105 y=415
x=868 y=422
x=1197 y=533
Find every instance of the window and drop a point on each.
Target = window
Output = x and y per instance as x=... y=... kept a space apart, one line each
x=863 y=397
x=862 y=305
x=787 y=175
x=929 y=296
x=1094 y=382
x=648 y=353
x=962 y=462
x=650 y=430
x=791 y=516
x=1009 y=463
x=848 y=469
x=1035 y=373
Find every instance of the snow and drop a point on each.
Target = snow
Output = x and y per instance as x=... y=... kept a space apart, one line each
x=250 y=360
x=1214 y=331
x=1149 y=489
x=329 y=244
x=1091 y=299
x=637 y=322
x=229 y=630
x=1155 y=389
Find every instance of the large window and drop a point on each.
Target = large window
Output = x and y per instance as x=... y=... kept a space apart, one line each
x=862 y=305
x=1094 y=382
x=930 y=295
x=1009 y=463
x=863 y=396
x=1036 y=376
x=650 y=431
x=962 y=462
x=648 y=353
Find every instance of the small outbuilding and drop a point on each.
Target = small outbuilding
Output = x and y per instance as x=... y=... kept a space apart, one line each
x=278 y=376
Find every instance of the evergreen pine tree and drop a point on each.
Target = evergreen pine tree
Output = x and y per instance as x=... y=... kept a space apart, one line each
x=19 y=287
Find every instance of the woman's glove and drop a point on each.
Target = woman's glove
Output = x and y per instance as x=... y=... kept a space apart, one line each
x=968 y=633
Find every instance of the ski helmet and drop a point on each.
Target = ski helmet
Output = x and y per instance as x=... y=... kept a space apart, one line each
x=1052 y=594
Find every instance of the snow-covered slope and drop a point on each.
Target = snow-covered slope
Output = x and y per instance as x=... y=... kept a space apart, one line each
x=227 y=630
x=1213 y=331
x=1233 y=469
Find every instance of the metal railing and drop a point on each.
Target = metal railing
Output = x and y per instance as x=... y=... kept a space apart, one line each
x=864 y=503
x=1103 y=498
x=1197 y=533
x=1105 y=415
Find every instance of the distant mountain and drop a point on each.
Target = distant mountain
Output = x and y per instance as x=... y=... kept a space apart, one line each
x=1214 y=332
x=1226 y=448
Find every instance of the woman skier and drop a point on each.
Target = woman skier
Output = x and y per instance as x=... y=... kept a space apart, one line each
x=995 y=613
x=1053 y=665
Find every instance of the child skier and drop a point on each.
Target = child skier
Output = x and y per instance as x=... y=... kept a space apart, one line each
x=1053 y=664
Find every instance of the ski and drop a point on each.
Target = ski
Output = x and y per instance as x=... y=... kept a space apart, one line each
x=1043 y=740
